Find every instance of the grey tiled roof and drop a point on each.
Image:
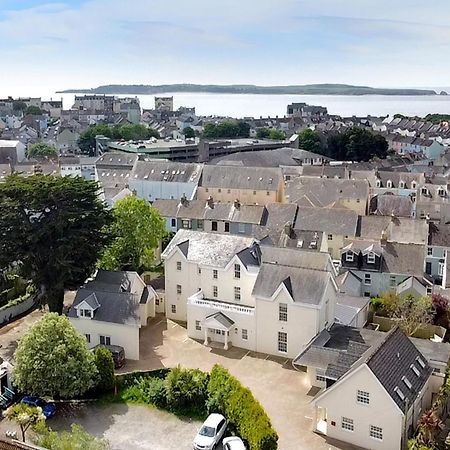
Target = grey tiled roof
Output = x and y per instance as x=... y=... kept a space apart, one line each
x=404 y=259
x=399 y=205
x=393 y=360
x=330 y=220
x=304 y=274
x=167 y=171
x=209 y=248
x=117 y=295
x=257 y=178
x=439 y=235
x=278 y=214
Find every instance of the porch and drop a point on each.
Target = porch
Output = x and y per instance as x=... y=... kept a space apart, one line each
x=217 y=328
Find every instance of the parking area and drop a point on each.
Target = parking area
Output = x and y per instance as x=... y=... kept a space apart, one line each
x=283 y=391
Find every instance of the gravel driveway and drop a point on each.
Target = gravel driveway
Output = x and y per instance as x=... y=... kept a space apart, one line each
x=130 y=426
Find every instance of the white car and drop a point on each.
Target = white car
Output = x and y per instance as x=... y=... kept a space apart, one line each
x=211 y=432
x=233 y=443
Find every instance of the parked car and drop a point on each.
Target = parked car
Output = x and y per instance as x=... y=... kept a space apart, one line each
x=211 y=432
x=233 y=443
x=117 y=352
x=48 y=409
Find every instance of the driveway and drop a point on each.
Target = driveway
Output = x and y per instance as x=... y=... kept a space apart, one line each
x=284 y=392
x=129 y=427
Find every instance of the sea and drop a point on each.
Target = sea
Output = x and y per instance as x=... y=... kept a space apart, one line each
x=251 y=105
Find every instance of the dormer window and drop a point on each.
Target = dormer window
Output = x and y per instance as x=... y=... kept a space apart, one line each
x=424 y=191
x=389 y=184
x=413 y=185
x=401 y=185
x=349 y=256
x=378 y=183
x=370 y=258
x=441 y=192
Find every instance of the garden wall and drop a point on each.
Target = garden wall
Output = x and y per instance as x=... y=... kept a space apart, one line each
x=8 y=313
x=425 y=332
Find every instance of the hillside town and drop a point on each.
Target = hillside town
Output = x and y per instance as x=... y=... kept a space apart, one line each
x=206 y=252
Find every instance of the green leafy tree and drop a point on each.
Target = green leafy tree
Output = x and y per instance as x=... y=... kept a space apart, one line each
x=25 y=416
x=54 y=228
x=228 y=129
x=41 y=149
x=310 y=140
x=189 y=133
x=137 y=229
x=33 y=110
x=52 y=360
x=19 y=106
x=262 y=133
x=86 y=141
x=356 y=144
x=105 y=368
x=77 y=438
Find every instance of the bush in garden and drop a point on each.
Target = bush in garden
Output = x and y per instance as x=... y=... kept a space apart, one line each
x=105 y=367
x=227 y=396
x=186 y=388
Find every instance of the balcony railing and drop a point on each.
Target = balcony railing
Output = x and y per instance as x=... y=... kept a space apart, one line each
x=198 y=300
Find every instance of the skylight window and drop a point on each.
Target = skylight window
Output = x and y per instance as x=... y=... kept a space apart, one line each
x=420 y=361
x=407 y=382
x=415 y=370
x=398 y=391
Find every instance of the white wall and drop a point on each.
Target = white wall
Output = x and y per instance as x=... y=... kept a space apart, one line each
x=123 y=335
x=381 y=412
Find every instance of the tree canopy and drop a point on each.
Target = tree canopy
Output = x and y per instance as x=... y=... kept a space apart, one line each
x=356 y=144
x=189 y=133
x=86 y=141
x=52 y=359
x=105 y=367
x=231 y=129
x=137 y=230
x=33 y=110
x=311 y=141
x=54 y=228
x=270 y=133
x=41 y=149
x=19 y=105
x=25 y=416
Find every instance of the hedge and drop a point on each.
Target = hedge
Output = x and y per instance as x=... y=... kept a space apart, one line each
x=227 y=396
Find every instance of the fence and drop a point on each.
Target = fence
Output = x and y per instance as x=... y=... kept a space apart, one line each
x=9 y=313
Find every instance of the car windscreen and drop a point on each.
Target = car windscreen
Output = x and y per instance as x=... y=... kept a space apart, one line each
x=207 y=431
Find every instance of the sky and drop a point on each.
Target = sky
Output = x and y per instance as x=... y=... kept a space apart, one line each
x=50 y=45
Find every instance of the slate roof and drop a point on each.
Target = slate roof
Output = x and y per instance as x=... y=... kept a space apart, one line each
x=330 y=220
x=404 y=259
x=285 y=156
x=393 y=360
x=390 y=356
x=399 y=205
x=212 y=249
x=117 y=295
x=278 y=214
x=439 y=235
x=402 y=230
x=221 y=318
x=117 y=160
x=230 y=177
x=304 y=274
x=323 y=192
x=167 y=171
x=347 y=307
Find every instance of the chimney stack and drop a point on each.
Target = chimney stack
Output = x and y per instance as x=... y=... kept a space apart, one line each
x=288 y=229
x=210 y=202
x=237 y=203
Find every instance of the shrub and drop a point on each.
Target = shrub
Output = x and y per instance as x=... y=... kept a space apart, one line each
x=147 y=390
x=105 y=367
x=377 y=303
x=227 y=396
x=186 y=388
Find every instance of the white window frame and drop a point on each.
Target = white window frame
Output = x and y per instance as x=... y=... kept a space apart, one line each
x=349 y=256
x=283 y=312
x=237 y=271
x=215 y=291
x=173 y=308
x=198 y=326
x=376 y=432
x=282 y=342
x=362 y=397
x=347 y=424
x=179 y=289
x=430 y=251
x=244 y=334
x=178 y=265
x=215 y=274
x=371 y=258
x=441 y=269
x=367 y=279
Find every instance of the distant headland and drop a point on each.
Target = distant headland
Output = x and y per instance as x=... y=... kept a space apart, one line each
x=307 y=89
